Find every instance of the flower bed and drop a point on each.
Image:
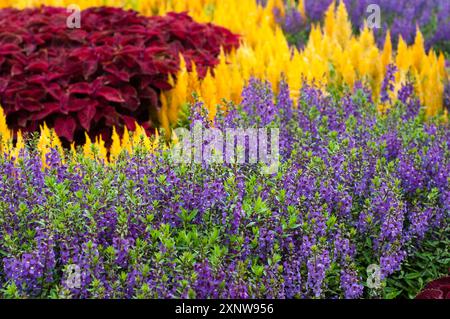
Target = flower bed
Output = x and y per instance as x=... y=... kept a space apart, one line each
x=356 y=204
x=354 y=188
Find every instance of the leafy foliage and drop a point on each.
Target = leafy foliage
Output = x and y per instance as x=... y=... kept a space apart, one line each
x=108 y=73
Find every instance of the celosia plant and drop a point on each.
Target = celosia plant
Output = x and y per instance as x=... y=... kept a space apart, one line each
x=108 y=73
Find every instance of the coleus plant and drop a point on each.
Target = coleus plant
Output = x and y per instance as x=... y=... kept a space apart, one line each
x=437 y=289
x=109 y=72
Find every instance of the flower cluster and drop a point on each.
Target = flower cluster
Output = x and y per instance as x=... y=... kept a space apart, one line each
x=353 y=188
x=400 y=17
x=109 y=72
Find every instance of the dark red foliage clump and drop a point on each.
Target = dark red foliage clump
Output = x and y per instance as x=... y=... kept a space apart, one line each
x=437 y=289
x=108 y=73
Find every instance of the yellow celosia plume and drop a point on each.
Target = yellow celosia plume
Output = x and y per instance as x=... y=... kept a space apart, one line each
x=48 y=140
x=5 y=134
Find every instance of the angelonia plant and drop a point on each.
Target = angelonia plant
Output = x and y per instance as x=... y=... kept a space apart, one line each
x=354 y=188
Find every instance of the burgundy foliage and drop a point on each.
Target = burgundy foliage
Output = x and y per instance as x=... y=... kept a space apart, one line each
x=108 y=73
x=437 y=289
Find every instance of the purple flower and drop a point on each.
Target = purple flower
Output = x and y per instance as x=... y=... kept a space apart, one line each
x=350 y=283
x=388 y=83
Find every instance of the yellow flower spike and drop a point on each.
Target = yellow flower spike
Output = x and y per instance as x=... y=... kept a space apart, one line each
x=87 y=148
x=346 y=69
x=433 y=91
x=418 y=50
x=143 y=139
x=115 y=149
x=344 y=29
x=356 y=53
x=193 y=79
x=441 y=65
x=402 y=60
x=136 y=135
x=156 y=140
x=330 y=23
x=366 y=38
x=375 y=73
x=209 y=94
x=20 y=145
x=223 y=77
x=44 y=137
x=4 y=130
x=44 y=144
x=178 y=95
x=127 y=143
x=163 y=114
x=56 y=142
x=48 y=139
x=386 y=55
x=237 y=84
x=5 y=133
x=419 y=84
x=293 y=76
x=102 y=152
x=73 y=152
x=175 y=139
x=173 y=105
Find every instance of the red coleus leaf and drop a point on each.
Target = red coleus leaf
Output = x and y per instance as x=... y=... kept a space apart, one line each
x=81 y=88
x=9 y=48
x=108 y=115
x=48 y=109
x=109 y=73
x=130 y=122
x=114 y=70
x=29 y=104
x=3 y=85
x=86 y=116
x=37 y=66
x=110 y=94
x=78 y=105
x=89 y=68
x=65 y=127
x=53 y=89
x=131 y=98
